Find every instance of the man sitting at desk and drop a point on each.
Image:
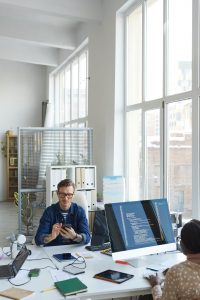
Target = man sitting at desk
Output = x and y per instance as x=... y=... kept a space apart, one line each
x=63 y=222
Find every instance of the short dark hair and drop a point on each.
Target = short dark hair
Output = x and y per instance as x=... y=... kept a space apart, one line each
x=65 y=183
x=190 y=236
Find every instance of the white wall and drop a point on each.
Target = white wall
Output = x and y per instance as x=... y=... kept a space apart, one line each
x=22 y=90
x=102 y=87
x=23 y=87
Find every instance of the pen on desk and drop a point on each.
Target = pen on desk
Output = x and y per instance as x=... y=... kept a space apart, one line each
x=122 y=262
x=155 y=270
x=48 y=289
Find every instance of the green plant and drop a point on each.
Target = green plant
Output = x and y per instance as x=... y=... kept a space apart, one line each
x=26 y=210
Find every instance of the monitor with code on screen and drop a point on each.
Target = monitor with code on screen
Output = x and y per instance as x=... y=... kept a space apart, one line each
x=138 y=228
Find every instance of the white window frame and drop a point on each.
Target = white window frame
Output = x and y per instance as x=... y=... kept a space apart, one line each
x=194 y=94
x=78 y=122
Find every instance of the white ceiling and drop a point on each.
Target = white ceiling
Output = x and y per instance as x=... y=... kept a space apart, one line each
x=34 y=31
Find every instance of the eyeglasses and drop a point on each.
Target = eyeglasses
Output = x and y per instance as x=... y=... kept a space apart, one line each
x=63 y=195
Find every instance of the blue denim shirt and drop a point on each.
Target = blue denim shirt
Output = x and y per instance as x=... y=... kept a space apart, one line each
x=52 y=215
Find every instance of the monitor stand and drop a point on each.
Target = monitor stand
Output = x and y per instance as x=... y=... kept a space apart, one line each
x=151 y=262
x=138 y=262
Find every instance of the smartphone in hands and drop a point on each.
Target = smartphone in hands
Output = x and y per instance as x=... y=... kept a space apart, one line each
x=64 y=226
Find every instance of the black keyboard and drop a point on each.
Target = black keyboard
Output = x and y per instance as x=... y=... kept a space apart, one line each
x=98 y=247
x=6 y=271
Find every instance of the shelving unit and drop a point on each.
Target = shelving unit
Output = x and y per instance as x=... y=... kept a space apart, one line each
x=84 y=177
x=12 y=165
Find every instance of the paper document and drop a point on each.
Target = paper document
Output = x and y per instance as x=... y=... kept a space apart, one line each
x=161 y=266
x=85 y=254
x=58 y=275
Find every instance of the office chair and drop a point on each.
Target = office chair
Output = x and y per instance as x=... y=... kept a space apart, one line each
x=80 y=199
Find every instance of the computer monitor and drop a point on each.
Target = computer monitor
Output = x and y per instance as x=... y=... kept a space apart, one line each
x=100 y=229
x=100 y=236
x=138 y=228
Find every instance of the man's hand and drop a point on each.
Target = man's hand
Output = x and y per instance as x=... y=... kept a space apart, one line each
x=56 y=230
x=68 y=233
x=54 y=233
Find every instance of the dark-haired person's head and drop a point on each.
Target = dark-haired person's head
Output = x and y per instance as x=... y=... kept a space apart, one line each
x=190 y=237
x=65 y=183
x=65 y=192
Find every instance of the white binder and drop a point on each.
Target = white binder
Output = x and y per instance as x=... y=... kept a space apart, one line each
x=89 y=199
x=78 y=179
x=89 y=178
x=56 y=176
x=83 y=182
x=93 y=200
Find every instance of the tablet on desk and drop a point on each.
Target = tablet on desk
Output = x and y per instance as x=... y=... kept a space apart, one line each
x=113 y=276
x=63 y=256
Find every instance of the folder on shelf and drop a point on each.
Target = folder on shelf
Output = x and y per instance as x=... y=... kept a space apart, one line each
x=78 y=180
x=70 y=173
x=90 y=178
x=83 y=182
x=89 y=199
x=57 y=176
x=93 y=200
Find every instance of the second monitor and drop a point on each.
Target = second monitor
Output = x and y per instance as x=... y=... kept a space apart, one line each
x=100 y=237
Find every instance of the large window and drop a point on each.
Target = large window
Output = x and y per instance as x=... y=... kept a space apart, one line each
x=160 y=97
x=70 y=92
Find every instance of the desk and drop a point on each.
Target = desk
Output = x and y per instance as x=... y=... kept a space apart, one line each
x=97 y=289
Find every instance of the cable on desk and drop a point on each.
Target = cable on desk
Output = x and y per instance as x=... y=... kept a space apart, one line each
x=32 y=259
x=48 y=267
x=8 y=253
x=39 y=268
x=19 y=283
x=78 y=261
x=29 y=277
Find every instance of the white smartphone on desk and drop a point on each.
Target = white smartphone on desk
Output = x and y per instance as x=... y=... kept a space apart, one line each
x=73 y=270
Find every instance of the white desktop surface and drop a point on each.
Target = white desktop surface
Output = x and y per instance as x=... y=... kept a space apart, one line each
x=97 y=289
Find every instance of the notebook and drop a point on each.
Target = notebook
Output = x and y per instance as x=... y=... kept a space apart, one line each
x=100 y=236
x=11 y=270
x=71 y=286
x=16 y=293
